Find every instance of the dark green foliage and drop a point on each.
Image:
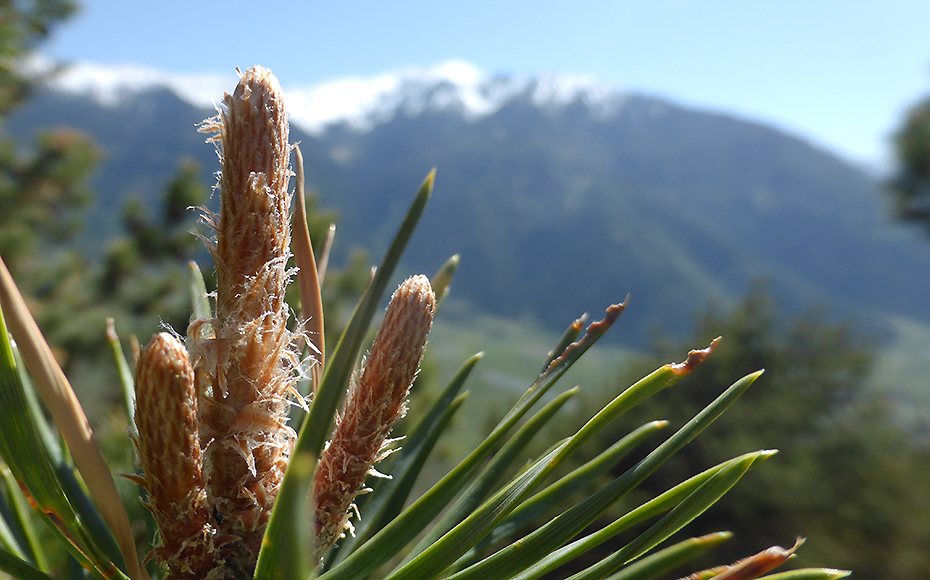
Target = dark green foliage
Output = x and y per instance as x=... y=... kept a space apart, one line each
x=44 y=190
x=847 y=476
x=43 y=186
x=144 y=277
x=22 y=26
x=42 y=193
x=910 y=187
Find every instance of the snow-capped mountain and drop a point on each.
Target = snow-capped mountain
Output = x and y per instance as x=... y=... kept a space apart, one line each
x=360 y=103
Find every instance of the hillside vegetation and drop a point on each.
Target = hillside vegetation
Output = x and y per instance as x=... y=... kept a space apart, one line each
x=674 y=206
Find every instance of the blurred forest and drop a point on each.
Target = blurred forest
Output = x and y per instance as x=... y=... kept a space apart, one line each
x=848 y=477
x=910 y=187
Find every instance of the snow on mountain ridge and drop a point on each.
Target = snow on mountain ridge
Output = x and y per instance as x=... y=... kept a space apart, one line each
x=364 y=103
x=361 y=103
x=109 y=85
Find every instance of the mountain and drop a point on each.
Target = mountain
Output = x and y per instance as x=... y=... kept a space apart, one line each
x=561 y=195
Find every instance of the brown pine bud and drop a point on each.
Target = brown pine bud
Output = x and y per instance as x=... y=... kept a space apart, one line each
x=752 y=567
x=245 y=369
x=170 y=457
x=373 y=404
x=253 y=232
x=762 y=563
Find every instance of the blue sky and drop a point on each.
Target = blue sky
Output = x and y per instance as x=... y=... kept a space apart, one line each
x=839 y=73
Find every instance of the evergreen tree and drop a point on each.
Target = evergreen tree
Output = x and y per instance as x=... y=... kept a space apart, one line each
x=43 y=186
x=23 y=25
x=910 y=187
x=847 y=475
x=145 y=277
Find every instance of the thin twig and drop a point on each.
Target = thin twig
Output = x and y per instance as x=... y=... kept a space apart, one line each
x=311 y=301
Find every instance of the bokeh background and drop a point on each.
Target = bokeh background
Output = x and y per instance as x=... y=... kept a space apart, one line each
x=758 y=171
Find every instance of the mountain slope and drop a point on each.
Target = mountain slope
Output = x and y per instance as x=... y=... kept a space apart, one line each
x=561 y=201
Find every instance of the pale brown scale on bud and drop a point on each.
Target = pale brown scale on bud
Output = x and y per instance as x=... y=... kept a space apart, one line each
x=170 y=456
x=752 y=567
x=375 y=401
x=244 y=369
